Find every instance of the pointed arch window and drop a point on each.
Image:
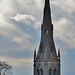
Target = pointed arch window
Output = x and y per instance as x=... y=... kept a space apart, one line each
x=54 y=72
x=38 y=72
x=50 y=72
x=41 y=72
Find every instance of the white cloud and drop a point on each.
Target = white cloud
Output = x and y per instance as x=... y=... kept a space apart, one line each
x=64 y=30
x=63 y=18
x=22 y=17
x=6 y=7
x=39 y=4
x=28 y=20
x=67 y=6
x=9 y=29
x=17 y=62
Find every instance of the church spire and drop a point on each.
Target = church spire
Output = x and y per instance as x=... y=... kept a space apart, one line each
x=47 y=62
x=47 y=48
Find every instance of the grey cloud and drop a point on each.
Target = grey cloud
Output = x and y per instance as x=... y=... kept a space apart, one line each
x=12 y=29
x=63 y=19
x=13 y=17
x=17 y=62
x=9 y=29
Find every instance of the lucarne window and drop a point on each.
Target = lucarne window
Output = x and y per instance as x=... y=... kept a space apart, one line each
x=46 y=31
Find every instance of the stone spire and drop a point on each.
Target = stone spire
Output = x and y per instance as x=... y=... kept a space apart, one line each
x=46 y=62
x=47 y=48
x=47 y=12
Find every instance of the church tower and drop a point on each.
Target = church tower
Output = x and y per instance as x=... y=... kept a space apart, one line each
x=47 y=62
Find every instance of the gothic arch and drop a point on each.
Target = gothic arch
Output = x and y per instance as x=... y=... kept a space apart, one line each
x=50 y=72
x=41 y=72
x=54 y=72
x=38 y=72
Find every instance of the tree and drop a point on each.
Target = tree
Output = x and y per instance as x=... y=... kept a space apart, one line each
x=5 y=69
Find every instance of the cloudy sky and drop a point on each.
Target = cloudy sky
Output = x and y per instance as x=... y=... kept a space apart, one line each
x=20 y=22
